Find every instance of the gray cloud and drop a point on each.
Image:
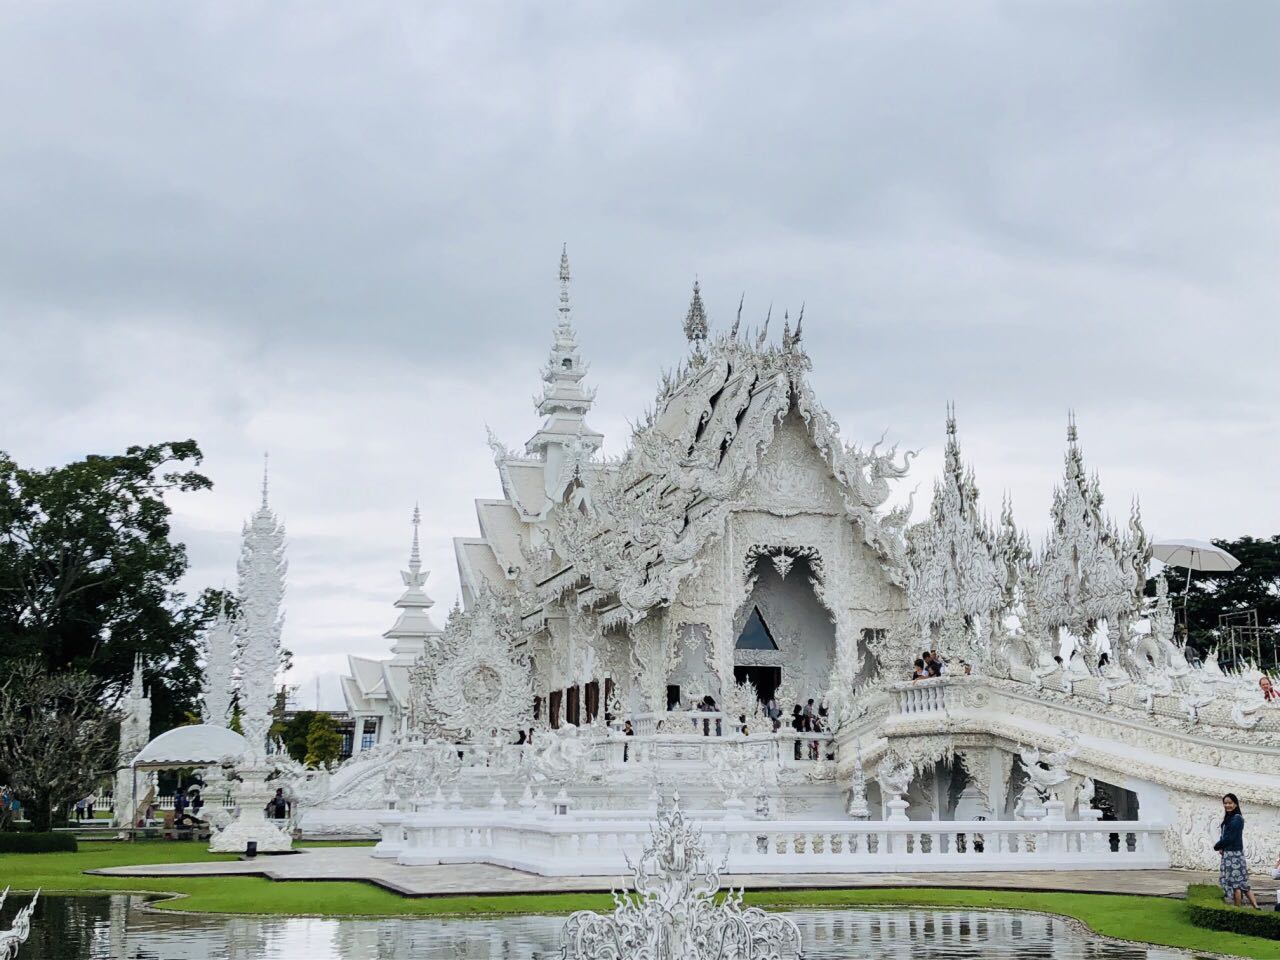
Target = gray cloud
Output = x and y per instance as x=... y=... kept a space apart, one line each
x=333 y=233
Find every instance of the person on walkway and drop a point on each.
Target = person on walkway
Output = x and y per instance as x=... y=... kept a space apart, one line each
x=627 y=731
x=921 y=672
x=774 y=713
x=811 y=725
x=179 y=805
x=797 y=724
x=278 y=806
x=1233 y=874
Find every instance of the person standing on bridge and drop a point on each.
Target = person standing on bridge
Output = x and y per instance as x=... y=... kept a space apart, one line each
x=1233 y=875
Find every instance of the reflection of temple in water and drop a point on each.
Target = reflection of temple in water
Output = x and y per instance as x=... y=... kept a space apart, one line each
x=119 y=926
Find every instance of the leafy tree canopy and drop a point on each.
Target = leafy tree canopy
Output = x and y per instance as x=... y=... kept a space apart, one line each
x=324 y=742
x=1254 y=585
x=88 y=572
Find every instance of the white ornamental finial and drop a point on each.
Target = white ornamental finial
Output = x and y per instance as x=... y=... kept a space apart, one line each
x=695 y=321
x=564 y=285
x=415 y=555
x=265 y=465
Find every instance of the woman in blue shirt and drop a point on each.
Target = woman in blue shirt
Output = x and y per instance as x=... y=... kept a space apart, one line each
x=1233 y=875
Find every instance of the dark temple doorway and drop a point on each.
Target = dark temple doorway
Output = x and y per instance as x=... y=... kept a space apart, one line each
x=765 y=679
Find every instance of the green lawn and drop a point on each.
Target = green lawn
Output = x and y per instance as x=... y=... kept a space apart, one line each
x=1151 y=919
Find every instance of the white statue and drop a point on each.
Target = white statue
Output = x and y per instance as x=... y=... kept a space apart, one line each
x=16 y=936
x=675 y=912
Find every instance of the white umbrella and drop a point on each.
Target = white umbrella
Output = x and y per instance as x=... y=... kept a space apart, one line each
x=1194 y=555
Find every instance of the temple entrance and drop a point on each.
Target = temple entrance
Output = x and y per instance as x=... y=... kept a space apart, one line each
x=785 y=636
x=764 y=679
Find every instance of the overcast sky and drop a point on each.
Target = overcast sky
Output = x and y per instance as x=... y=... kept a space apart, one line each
x=332 y=232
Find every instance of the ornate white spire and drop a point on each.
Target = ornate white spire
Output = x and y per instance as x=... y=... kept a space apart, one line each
x=695 y=321
x=217 y=685
x=414 y=625
x=261 y=570
x=954 y=568
x=1083 y=574
x=135 y=726
x=565 y=438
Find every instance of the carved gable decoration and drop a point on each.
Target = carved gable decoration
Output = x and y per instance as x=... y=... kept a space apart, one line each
x=470 y=682
x=793 y=478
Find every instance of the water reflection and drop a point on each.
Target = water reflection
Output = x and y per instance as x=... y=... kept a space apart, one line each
x=116 y=928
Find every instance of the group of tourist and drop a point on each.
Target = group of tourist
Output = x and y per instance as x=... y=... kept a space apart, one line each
x=931 y=664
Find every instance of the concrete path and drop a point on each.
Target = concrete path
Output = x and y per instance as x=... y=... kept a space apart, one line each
x=354 y=863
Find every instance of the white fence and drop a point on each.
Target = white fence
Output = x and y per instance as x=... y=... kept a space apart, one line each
x=105 y=801
x=577 y=846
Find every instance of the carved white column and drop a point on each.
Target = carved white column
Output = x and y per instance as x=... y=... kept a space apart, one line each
x=260 y=591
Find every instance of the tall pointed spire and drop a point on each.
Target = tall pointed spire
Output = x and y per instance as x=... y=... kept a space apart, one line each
x=1082 y=574
x=564 y=285
x=953 y=567
x=565 y=401
x=217 y=683
x=415 y=555
x=135 y=732
x=260 y=591
x=266 y=463
x=414 y=625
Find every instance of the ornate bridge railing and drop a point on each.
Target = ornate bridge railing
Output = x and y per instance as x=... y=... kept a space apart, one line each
x=922 y=696
x=573 y=846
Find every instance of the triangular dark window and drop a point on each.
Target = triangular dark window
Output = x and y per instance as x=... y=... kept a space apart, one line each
x=755 y=635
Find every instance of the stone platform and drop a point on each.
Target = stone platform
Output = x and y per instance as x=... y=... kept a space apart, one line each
x=355 y=863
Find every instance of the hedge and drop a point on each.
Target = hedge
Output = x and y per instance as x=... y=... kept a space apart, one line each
x=1207 y=909
x=32 y=842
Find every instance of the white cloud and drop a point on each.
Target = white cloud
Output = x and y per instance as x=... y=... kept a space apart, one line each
x=333 y=233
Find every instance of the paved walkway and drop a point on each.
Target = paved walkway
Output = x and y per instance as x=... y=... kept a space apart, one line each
x=354 y=863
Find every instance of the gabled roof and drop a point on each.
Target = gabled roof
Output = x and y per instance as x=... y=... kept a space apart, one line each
x=502 y=529
x=477 y=565
x=691 y=460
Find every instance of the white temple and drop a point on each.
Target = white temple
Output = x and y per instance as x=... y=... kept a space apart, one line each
x=739 y=549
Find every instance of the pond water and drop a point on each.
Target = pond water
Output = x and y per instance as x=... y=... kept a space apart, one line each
x=120 y=928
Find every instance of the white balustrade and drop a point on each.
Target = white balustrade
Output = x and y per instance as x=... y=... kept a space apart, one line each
x=922 y=696
x=581 y=845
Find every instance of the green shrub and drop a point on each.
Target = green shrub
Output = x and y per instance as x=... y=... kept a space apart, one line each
x=32 y=842
x=1206 y=909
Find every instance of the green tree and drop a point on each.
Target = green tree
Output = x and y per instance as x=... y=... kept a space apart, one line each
x=294 y=734
x=57 y=738
x=88 y=572
x=1254 y=585
x=324 y=742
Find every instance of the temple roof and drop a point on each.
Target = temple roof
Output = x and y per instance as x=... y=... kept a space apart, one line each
x=691 y=459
